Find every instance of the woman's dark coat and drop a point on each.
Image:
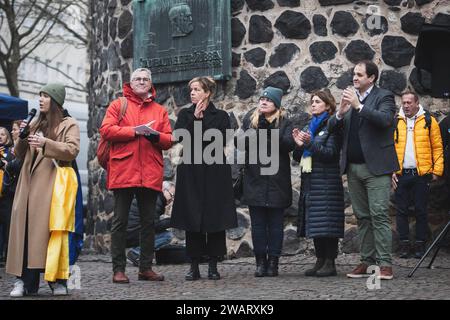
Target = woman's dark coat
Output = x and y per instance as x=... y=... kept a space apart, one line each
x=271 y=191
x=321 y=203
x=204 y=200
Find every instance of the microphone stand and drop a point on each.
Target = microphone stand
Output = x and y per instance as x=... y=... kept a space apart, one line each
x=437 y=241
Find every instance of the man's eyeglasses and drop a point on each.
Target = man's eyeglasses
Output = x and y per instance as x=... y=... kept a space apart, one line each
x=141 y=79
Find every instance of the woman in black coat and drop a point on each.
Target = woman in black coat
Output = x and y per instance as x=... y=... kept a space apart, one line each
x=321 y=203
x=204 y=200
x=268 y=195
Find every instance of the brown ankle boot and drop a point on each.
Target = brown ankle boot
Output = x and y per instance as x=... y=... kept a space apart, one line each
x=150 y=275
x=120 y=277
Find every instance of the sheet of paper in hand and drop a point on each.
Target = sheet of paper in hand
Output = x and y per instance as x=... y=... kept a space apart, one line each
x=145 y=130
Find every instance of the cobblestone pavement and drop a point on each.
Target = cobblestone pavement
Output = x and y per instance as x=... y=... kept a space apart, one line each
x=239 y=283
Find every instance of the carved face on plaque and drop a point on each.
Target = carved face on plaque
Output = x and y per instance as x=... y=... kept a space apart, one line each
x=180 y=17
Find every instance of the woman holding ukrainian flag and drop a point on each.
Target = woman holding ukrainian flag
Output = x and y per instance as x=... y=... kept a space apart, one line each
x=43 y=213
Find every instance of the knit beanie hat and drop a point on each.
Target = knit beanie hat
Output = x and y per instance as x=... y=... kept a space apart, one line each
x=56 y=91
x=274 y=94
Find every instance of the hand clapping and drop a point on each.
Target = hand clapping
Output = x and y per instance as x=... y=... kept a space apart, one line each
x=301 y=137
x=199 y=108
x=349 y=97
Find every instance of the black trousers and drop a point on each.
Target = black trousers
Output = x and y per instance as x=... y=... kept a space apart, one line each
x=326 y=248
x=30 y=277
x=5 y=221
x=146 y=201
x=199 y=244
x=412 y=190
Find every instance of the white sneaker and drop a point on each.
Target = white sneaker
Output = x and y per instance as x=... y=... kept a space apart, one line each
x=18 y=289
x=60 y=290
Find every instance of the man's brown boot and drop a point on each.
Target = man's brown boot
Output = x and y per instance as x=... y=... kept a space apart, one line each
x=120 y=277
x=150 y=275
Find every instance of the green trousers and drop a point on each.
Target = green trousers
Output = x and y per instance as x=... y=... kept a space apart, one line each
x=370 y=200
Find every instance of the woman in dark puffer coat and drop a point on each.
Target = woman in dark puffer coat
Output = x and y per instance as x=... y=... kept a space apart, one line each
x=321 y=203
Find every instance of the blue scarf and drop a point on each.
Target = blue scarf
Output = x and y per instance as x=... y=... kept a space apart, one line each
x=314 y=124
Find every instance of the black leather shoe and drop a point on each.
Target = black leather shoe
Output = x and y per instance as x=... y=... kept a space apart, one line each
x=194 y=272
x=261 y=265
x=419 y=249
x=213 y=274
x=312 y=272
x=404 y=249
x=272 y=266
x=328 y=269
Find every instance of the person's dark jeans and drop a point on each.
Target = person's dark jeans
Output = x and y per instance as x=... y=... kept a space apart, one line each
x=412 y=190
x=146 y=200
x=267 y=230
x=326 y=248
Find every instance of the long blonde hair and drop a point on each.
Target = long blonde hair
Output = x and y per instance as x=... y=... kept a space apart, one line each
x=8 y=136
x=274 y=118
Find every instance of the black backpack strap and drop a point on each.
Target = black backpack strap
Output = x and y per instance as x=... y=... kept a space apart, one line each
x=396 y=129
x=428 y=117
x=427 y=120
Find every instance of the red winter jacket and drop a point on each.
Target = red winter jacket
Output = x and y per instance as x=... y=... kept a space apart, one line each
x=134 y=160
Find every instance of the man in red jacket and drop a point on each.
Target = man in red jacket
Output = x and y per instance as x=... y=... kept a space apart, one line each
x=136 y=168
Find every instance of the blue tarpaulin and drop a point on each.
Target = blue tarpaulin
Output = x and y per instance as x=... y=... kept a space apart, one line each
x=12 y=108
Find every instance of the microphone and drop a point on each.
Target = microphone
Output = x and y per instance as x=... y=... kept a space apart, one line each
x=23 y=131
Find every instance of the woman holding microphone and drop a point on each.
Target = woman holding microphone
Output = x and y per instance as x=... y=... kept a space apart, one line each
x=53 y=136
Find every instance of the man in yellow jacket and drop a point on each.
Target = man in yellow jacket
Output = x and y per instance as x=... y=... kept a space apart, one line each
x=419 y=150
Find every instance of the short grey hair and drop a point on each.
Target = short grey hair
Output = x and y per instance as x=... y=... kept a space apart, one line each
x=149 y=73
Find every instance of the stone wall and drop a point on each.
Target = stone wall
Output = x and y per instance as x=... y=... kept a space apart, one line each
x=296 y=45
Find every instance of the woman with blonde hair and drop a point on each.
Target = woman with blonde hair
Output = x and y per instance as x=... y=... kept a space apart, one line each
x=204 y=202
x=268 y=195
x=53 y=136
x=321 y=202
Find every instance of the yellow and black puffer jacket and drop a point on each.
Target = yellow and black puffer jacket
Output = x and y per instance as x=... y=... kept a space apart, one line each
x=427 y=144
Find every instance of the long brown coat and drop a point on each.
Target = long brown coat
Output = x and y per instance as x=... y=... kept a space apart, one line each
x=34 y=190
